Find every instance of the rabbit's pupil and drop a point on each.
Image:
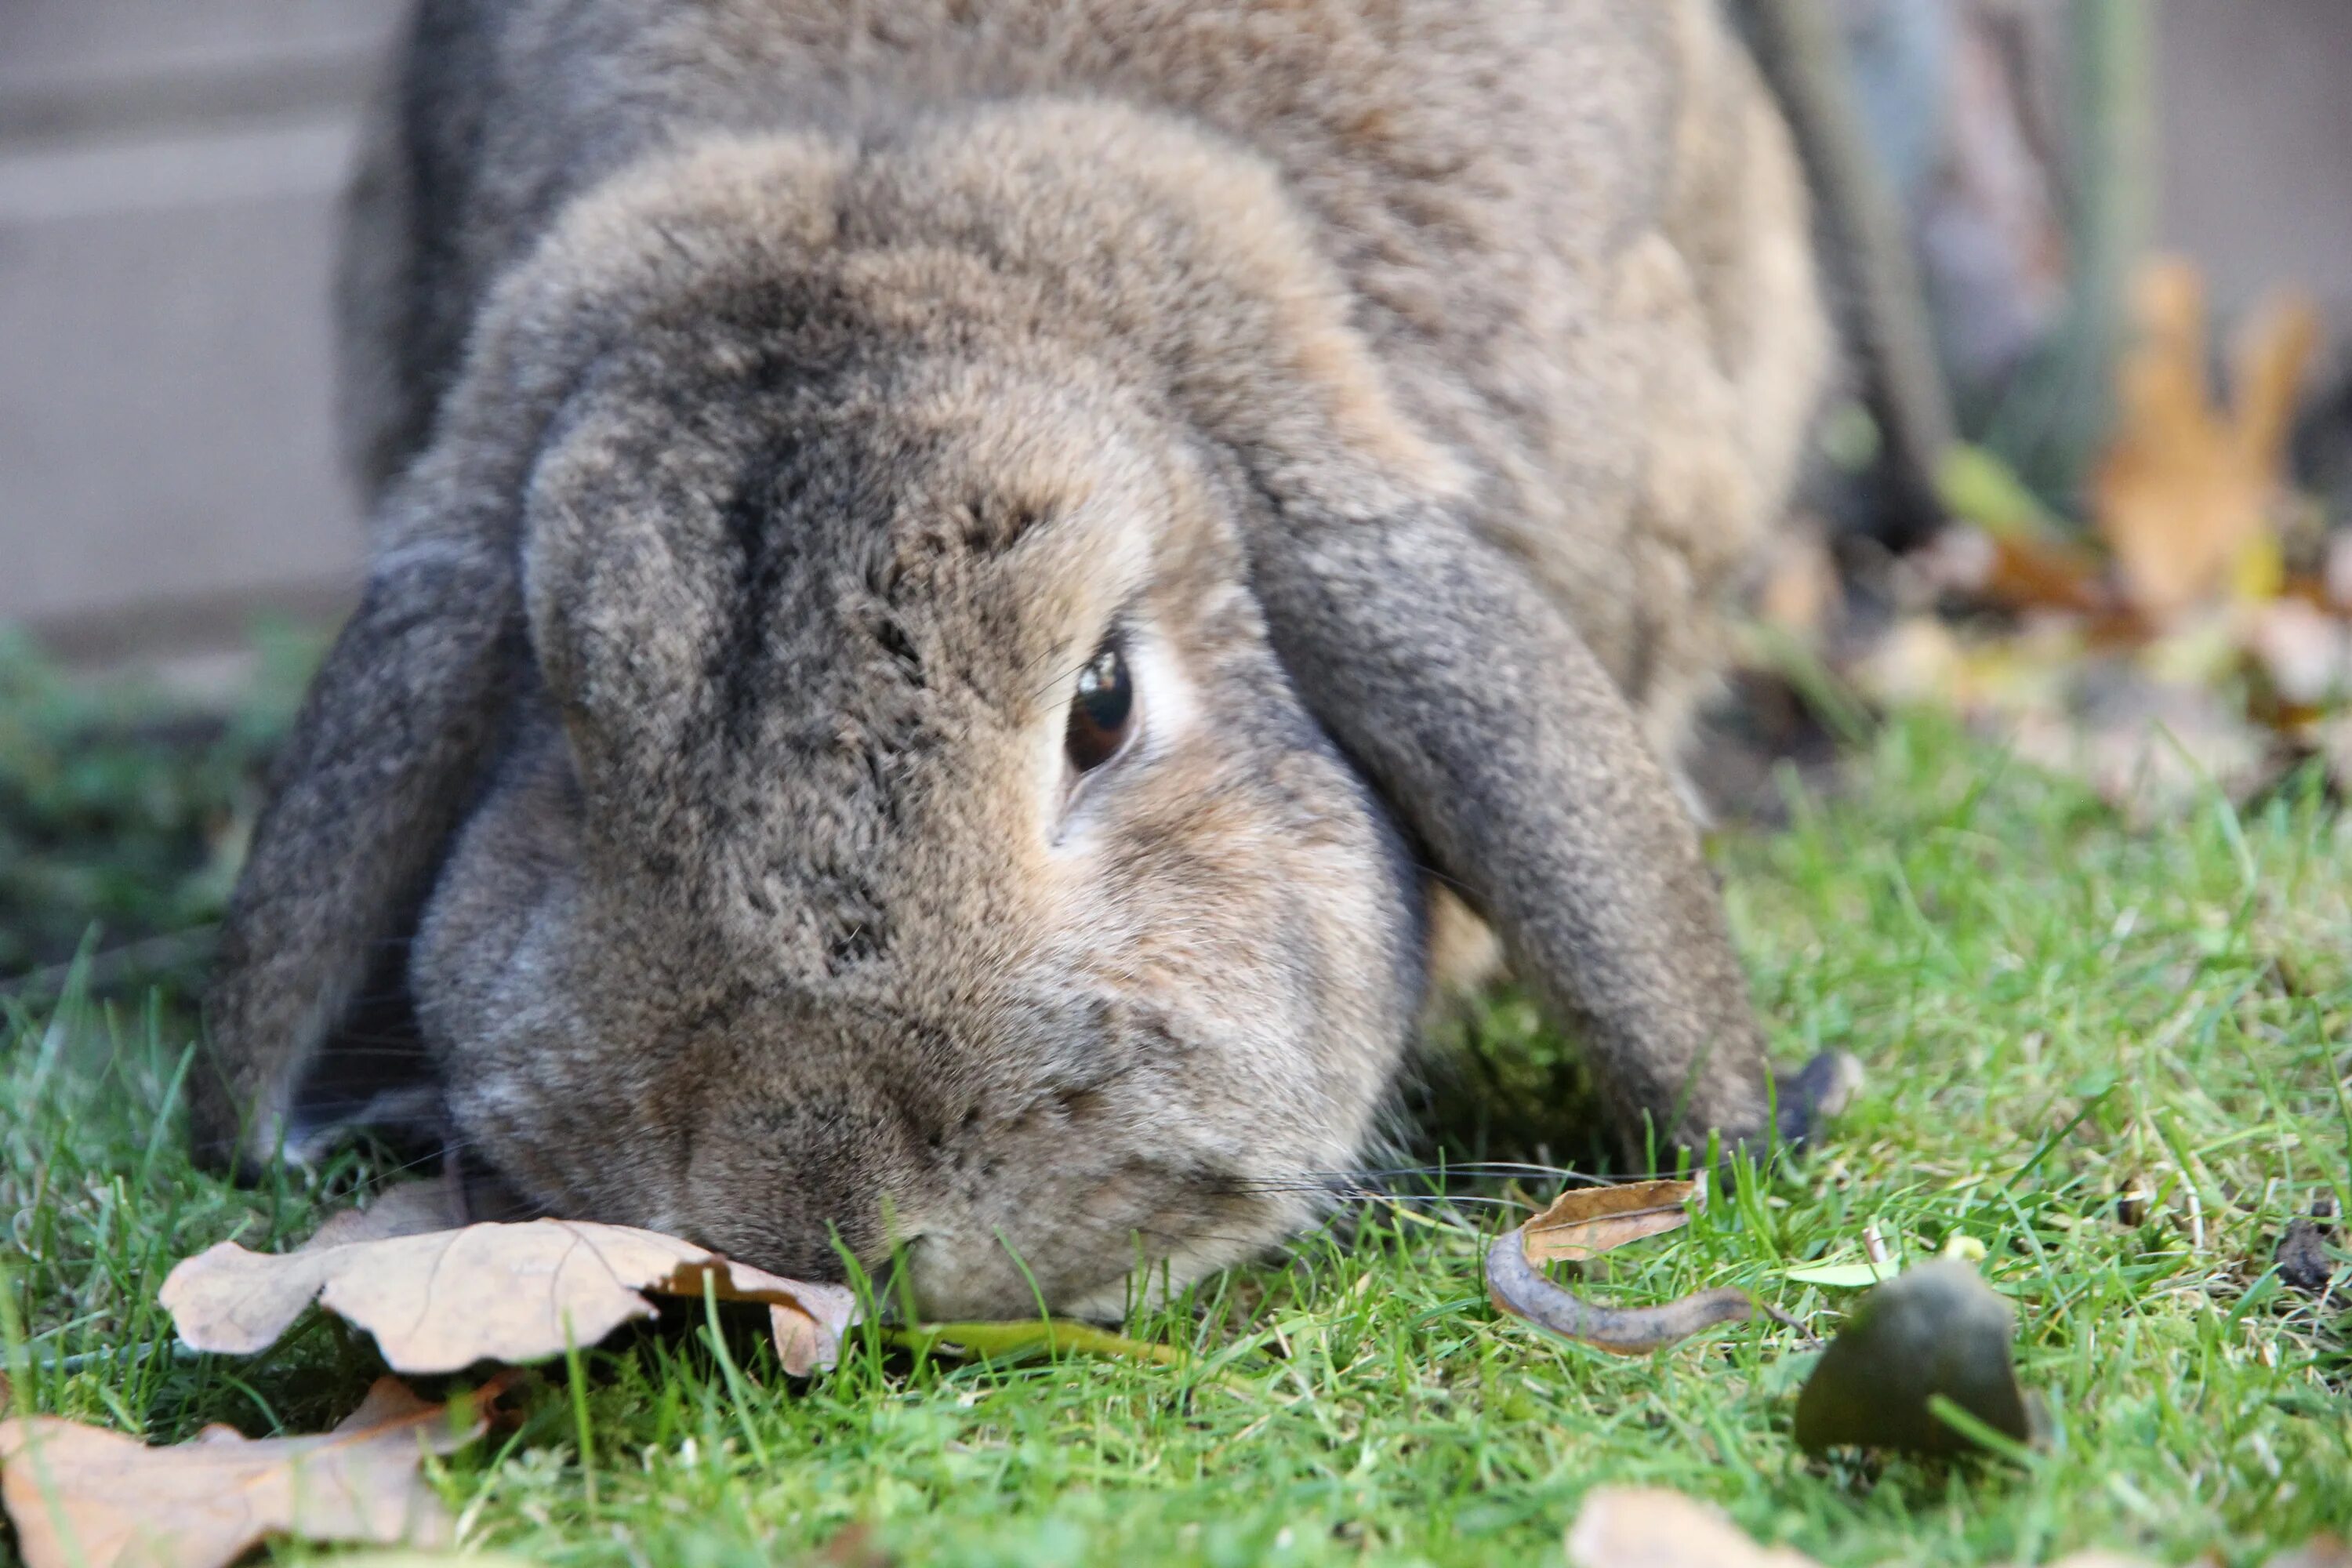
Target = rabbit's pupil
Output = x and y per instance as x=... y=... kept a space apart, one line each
x=1102 y=711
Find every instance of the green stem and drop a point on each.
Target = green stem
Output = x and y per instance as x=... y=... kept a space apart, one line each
x=1028 y=1337
x=2113 y=48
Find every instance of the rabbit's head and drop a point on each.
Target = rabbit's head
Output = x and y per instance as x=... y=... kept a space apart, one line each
x=896 y=826
x=845 y=707
x=914 y=834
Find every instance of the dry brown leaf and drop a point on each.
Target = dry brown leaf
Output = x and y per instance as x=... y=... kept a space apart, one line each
x=2031 y=574
x=2319 y=1551
x=2336 y=571
x=1582 y=1222
x=1585 y=1222
x=2186 y=490
x=2019 y=571
x=2150 y=749
x=1649 y=1527
x=82 y=1497
x=2305 y=653
x=442 y=1300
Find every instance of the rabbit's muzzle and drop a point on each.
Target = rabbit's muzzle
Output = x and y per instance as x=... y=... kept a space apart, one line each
x=1083 y=1152
x=1065 y=1108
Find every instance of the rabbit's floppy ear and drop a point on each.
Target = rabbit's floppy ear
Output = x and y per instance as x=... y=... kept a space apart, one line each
x=1507 y=748
x=1464 y=693
x=381 y=764
x=405 y=717
x=400 y=725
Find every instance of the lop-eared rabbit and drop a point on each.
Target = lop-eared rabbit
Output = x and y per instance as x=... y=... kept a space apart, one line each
x=965 y=594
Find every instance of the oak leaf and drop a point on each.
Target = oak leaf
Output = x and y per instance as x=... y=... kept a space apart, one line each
x=2186 y=488
x=88 y=1497
x=439 y=1301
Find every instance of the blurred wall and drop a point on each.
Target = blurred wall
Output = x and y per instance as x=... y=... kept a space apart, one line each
x=2256 y=97
x=168 y=172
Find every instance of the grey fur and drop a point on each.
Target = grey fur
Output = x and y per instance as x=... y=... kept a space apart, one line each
x=770 y=404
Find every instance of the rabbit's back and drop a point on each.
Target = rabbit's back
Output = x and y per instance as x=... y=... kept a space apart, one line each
x=1574 y=232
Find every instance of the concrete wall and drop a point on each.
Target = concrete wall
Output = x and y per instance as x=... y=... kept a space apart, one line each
x=168 y=170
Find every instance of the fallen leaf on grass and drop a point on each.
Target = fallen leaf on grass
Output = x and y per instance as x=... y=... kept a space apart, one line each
x=445 y=1299
x=2186 y=490
x=89 y=1498
x=1649 y=1527
x=2006 y=547
x=1516 y=1286
x=1936 y=1330
x=2150 y=749
x=2304 y=653
x=2319 y=1551
x=1588 y=1221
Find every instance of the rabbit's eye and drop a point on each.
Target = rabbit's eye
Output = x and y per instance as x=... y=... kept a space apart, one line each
x=1101 y=713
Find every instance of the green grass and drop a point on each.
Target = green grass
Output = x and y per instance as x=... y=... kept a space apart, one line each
x=2054 y=1011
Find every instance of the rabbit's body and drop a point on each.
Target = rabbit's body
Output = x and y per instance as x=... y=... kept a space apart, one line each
x=1573 y=232
x=775 y=404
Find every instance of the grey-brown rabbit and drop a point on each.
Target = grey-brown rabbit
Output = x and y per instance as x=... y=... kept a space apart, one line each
x=948 y=577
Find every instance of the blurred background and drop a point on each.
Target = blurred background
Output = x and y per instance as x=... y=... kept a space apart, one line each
x=2094 y=462
x=169 y=172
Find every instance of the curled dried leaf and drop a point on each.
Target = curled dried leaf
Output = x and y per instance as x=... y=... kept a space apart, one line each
x=1649 y=1527
x=94 y=1499
x=1585 y=1222
x=445 y=1299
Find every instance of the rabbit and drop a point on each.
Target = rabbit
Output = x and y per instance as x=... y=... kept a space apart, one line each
x=968 y=599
